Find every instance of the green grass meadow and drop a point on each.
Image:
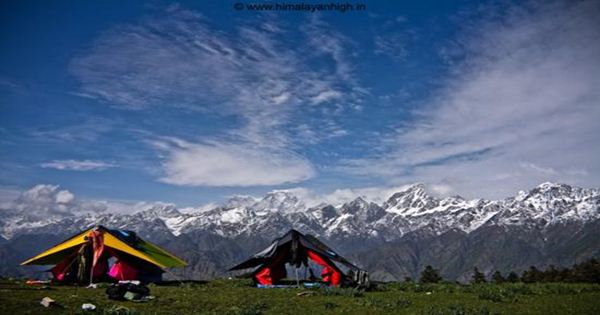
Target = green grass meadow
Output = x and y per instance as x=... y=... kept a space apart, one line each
x=238 y=297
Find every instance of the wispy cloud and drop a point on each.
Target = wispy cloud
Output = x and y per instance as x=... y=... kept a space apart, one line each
x=326 y=41
x=520 y=107
x=394 y=46
x=178 y=60
x=86 y=130
x=219 y=164
x=9 y=84
x=77 y=165
x=394 y=38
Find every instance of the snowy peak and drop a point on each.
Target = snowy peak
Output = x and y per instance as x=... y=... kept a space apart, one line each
x=235 y=215
x=410 y=201
x=239 y=201
x=354 y=206
x=279 y=201
x=410 y=209
x=549 y=190
x=365 y=211
x=552 y=191
x=163 y=210
x=323 y=213
x=553 y=202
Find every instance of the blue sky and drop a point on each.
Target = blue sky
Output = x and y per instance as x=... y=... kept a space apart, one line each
x=191 y=102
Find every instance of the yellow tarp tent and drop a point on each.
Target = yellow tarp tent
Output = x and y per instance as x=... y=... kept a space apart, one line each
x=118 y=241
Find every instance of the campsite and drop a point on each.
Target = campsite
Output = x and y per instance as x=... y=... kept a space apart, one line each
x=267 y=157
x=82 y=282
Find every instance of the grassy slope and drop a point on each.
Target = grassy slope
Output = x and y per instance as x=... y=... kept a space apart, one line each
x=236 y=297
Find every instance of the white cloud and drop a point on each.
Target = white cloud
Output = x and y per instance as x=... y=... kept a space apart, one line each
x=441 y=189
x=219 y=164
x=77 y=165
x=64 y=197
x=49 y=200
x=521 y=107
x=326 y=96
x=178 y=60
x=45 y=201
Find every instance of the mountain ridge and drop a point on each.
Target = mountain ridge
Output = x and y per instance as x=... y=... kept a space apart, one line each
x=407 y=217
x=407 y=210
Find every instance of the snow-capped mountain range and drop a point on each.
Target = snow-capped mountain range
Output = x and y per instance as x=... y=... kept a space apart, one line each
x=405 y=211
x=550 y=224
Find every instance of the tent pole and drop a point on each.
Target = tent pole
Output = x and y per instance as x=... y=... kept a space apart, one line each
x=91 y=276
x=92 y=267
x=92 y=273
x=177 y=278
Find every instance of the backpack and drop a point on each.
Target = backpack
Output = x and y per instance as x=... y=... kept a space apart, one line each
x=118 y=291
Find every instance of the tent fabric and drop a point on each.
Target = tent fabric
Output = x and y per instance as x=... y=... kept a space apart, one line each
x=60 y=271
x=296 y=249
x=135 y=246
x=330 y=273
x=97 y=237
x=58 y=252
x=328 y=251
x=270 y=275
x=100 y=268
x=118 y=244
x=121 y=270
x=159 y=255
x=88 y=253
